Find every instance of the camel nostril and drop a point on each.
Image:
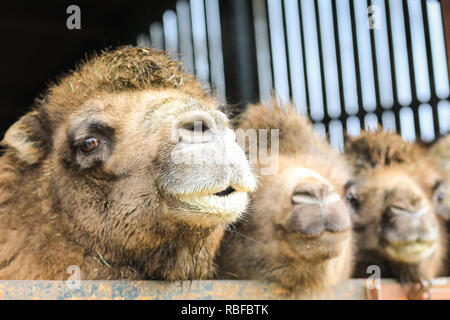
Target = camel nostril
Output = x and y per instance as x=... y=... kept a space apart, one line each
x=197 y=120
x=305 y=197
x=196 y=126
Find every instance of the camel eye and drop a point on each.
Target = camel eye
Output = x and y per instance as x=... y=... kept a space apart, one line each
x=353 y=200
x=351 y=195
x=89 y=144
x=439 y=192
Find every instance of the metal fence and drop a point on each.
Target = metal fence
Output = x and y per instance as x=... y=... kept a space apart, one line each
x=346 y=64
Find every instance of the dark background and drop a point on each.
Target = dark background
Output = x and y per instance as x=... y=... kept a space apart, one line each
x=36 y=45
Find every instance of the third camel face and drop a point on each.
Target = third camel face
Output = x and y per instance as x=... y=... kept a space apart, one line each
x=394 y=198
x=395 y=215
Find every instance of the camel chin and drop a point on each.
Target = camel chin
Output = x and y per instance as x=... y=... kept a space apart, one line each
x=410 y=253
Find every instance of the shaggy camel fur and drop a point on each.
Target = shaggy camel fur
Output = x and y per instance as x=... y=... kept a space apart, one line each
x=98 y=175
x=394 y=197
x=298 y=233
x=440 y=152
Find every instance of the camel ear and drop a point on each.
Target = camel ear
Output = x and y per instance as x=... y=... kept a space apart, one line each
x=28 y=137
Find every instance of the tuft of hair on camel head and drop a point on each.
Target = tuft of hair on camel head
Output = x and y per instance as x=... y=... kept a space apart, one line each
x=397 y=199
x=125 y=168
x=298 y=233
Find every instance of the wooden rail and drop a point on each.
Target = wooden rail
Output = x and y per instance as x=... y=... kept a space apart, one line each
x=202 y=290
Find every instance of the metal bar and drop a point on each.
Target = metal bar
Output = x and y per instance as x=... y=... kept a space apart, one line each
x=296 y=71
x=170 y=32
x=208 y=47
x=305 y=70
x=344 y=115
x=215 y=48
x=278 y=47
x=262 y=44
x=312 y=62
x=239 y=54
x=286 y=49
x=156 y=35
x=200 y=41
x=414 y=101
x=185 y=35
x=396 y=106
x=360 y=112
x=326 y=118
x=378 y=110
x=434 y=100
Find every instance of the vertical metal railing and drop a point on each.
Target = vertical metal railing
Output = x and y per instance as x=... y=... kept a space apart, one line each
x=348 y=65
x=191 y=32
x=392 y=69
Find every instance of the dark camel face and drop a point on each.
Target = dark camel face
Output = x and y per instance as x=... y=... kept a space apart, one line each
x=395 y=213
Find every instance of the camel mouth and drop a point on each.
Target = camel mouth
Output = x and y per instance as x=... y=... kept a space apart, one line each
x=326 y=236
x=410 y=252
x=224 y=206
x=225 y=192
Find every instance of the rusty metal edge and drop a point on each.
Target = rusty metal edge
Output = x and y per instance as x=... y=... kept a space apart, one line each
x=160 y=290
x=353 y=289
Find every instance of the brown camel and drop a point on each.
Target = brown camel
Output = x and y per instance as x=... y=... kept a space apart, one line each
x=298 y=232
x=101 y=175
x=394 y=196
x=440 y=152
